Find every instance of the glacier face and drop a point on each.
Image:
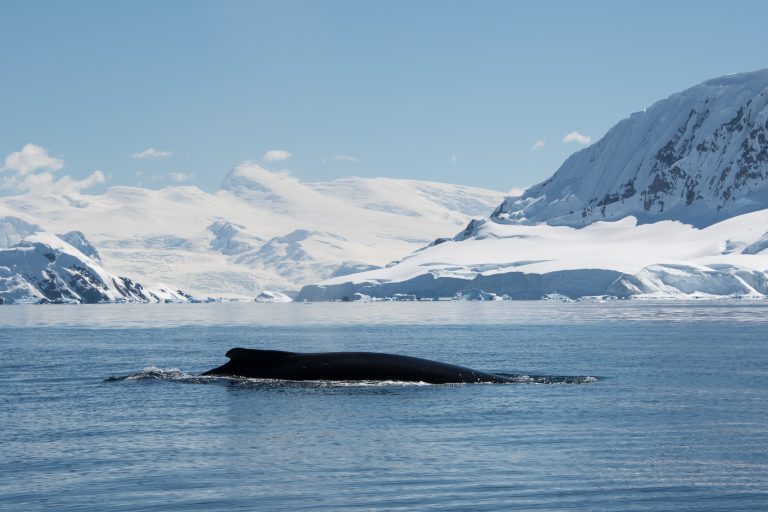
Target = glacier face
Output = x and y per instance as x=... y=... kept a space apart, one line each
x=262 y=230
x=666 y=259
x=699 y=156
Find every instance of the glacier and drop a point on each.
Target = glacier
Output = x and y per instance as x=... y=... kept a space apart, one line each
x=261 y=231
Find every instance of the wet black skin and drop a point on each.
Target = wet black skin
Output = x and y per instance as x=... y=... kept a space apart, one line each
x=341 y=366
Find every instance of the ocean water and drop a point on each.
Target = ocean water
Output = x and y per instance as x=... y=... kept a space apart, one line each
x=101 y=409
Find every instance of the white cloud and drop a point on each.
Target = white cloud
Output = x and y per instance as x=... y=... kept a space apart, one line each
x=516 y=191
x=577 y=137
x=276 y=155
x=454 y=159
x=66 y=184
x=539 y=144
x=29 y=159
x=30 y=170
x=179 y=177
x=44 y=182
x=273 y=181
x=152 y=154
x=347 y=158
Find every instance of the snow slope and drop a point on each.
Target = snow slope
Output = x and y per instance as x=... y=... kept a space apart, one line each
x=699 y=156
x=39 y=267
x=621 y=258
x=261 y=231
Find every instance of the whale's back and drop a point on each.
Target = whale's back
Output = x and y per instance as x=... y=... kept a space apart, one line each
x=345 y=366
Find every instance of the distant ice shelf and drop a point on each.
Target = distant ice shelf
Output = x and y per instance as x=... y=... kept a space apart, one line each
x=616 y=259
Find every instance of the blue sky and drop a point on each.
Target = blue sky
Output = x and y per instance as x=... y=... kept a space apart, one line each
x=447 y=91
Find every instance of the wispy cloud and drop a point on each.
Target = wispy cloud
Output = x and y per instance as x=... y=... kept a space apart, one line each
x=276 y=155
x=454 y=159
x=539 y=144
x=180 y=177
x=67 y=184
x=347 y=158
x=152 y=154
x=516 y=191
x=577 y=137
x=31 y=170
x=30 y=158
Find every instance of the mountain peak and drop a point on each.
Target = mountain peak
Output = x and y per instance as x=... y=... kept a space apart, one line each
x=13 y=230
x=249 y=178
x=698 y=156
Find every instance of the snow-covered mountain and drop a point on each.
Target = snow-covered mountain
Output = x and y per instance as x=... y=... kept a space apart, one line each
x=39 y=267
x=261 y=231
x=699 y=156
x=671 y=202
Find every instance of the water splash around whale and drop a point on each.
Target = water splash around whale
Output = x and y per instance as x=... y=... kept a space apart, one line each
x=155 y=374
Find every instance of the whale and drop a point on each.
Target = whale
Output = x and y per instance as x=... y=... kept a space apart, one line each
x=345 y=366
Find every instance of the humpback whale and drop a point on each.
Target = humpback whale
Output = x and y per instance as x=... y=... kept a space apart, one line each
x=345 y=366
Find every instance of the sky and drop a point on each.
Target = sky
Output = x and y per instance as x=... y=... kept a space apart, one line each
x=489 y=94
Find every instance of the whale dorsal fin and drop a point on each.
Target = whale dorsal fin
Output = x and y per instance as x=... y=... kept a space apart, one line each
x=262 y=356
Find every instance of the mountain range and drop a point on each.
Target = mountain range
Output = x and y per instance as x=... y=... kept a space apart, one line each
x=671 y=202
x=261 y=231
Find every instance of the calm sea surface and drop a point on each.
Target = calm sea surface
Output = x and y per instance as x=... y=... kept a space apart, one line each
x=101 y=409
